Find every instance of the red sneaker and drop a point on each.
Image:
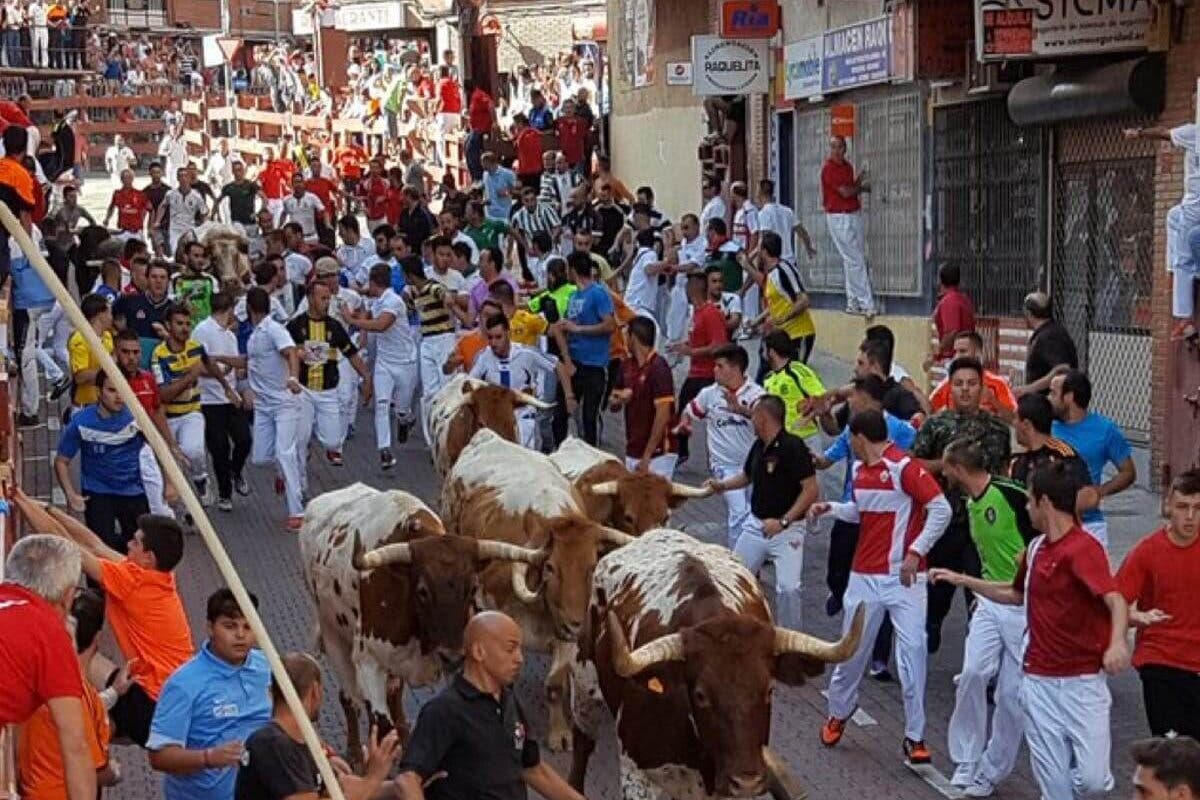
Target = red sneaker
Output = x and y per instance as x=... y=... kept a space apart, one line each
x=916 y=752
x=832 y=730
x=294 y=524
x=1184 y=331
x=334 y=457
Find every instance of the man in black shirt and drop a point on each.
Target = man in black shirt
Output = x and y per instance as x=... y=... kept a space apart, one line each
x=783 y=484
x=1051 y=349
x=611 y=216
x=1035 y=421
x=276 y=763
x=416 y=222
x=475 y=732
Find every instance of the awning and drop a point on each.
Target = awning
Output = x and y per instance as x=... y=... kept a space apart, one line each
x=1133 y=86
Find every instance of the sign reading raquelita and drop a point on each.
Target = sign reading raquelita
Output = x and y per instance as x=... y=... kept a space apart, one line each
x=730 y=66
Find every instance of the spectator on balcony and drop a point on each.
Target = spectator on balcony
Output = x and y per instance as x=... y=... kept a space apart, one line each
x=77 y=36
x=39 y=37
x=41 y=574
x=59 y=30
x=11 y=54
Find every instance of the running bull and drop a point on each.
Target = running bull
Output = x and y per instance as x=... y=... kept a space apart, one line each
x=466 y=405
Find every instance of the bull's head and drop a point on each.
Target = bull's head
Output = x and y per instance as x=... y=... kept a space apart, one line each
x=436 y=577
x=727 y=666
x=563 y=582
x=642 y=501
x=494 y=408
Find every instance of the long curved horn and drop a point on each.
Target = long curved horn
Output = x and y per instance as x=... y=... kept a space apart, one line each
x=789 y=641
x=531 y=401
x=603 y=489
x=489 y=549
x=683 y=490
x=627 y=664
x=615 y=537
x=382 y=556
x=782 y=783
x=520 y=583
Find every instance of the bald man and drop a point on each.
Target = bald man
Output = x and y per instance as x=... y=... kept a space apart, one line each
x=841 y=190
x=475 y=732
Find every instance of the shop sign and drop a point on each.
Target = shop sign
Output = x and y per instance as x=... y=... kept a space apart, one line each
x=1007 y=29
x=841 y=120
x=802 y=68
x=730 y=66
x=857 y=55
x=749 y=19
x=351 y=18
x=679 y=73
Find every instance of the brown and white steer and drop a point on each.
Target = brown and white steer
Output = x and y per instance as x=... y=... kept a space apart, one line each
x=465 y=405
x=613 y=495
x=393 y=593
x=518 y=496
x=692 y=701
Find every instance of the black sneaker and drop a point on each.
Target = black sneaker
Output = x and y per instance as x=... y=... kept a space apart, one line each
x=240 y=486
x=206 y=499
x=833 y=606
x=386 y=459
x=28 y=421
x=880 y=672
x=402 y=432
x=933 y=639
x=59 y=387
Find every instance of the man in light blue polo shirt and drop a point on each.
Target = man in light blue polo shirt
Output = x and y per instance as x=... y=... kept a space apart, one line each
x=209 y=707
x=1099 y=442
x=498 y=185
x=589 y=327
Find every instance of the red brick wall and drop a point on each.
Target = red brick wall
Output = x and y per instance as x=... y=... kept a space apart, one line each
x=1175 y=370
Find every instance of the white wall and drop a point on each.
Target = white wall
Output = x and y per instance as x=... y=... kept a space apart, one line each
x=804 y=18
x=658 y=147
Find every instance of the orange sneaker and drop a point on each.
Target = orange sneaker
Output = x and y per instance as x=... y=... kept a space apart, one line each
x=832 y=730
x=294 y=524
x=916 y=752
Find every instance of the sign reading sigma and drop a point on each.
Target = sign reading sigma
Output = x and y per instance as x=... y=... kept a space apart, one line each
x=729 y=66
x=1007 y=29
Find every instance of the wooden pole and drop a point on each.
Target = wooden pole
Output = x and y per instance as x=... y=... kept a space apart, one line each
x=186 y=493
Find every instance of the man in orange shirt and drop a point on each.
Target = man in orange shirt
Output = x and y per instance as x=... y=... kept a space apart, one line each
x=998 y=397
x=471 y=343
x=144 y=609
x=39 y=757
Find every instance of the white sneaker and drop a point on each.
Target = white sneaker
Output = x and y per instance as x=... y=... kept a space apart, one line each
x=980 y=787
x=964 y=775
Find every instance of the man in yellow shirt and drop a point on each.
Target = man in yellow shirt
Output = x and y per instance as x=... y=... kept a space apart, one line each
x=84 y=363
x=795 y=383
x=787 y=303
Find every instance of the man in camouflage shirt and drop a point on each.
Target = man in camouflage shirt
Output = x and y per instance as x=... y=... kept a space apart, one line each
x=964 y=419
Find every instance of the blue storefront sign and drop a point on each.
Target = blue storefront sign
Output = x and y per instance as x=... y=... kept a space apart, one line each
x=857 y=55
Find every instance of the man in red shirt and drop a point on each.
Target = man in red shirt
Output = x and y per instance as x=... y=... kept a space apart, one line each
x=374 y=192
x=840 y=190
x=954 y=313
x=1076 y=621
x=1159 y=578
x=481 y=118
x=37 y=656
x=349 y=160
x=276 y=181
x=647 y=393
x=327 y=192
x=572 y=136
x=448 y=108
x=128 y=351
x=529 y=152
x=707 y=335
x=132 y=207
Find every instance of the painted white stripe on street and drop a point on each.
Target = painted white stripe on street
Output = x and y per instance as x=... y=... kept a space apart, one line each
x=52 y=422
x=860 y=718
x=930 y=774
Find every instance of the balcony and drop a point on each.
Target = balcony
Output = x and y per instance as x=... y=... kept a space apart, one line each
x=137 y=14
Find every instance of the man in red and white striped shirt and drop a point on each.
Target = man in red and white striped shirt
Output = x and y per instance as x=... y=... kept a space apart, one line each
x=901 y=513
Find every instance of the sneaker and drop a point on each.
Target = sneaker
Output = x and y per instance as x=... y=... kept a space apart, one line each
x=206 y=498
x=224 y=504
x=880 y=672
x=402 y=432
x=915 y=752
x=386 y=459
x=240 y=486
x=295 y=523
x=833 y=606
x=964 y=775
x=832 y=730
x=59 y=387
x=334 y=458
x=350 y=431
x=27 y=421
x=933 y=640
x=280 y=487
x=980 y=787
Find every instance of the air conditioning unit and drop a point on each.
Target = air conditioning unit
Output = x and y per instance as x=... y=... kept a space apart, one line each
x=989 y=76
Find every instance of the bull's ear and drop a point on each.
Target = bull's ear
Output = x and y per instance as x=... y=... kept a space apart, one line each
x=413 y=527
x=794 y=669
x=468 y=387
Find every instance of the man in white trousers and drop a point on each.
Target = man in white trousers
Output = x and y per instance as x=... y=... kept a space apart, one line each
x=688 y=257
x=273 y=370
x=518 y=368
x=901 y=513
x=397 y=351
x=1076 y=620
x=783 y=486
x=744 y=232
x=324 y=343
x=840 y=192
x=343 y=303
x=1182 y=219
x=726 y=406
x=1001 y=528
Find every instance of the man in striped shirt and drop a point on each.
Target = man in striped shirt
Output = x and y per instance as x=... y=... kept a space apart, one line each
x=434 y=308
x=535 y=216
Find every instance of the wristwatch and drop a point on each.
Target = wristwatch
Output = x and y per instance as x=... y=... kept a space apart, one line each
x=785 y=523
